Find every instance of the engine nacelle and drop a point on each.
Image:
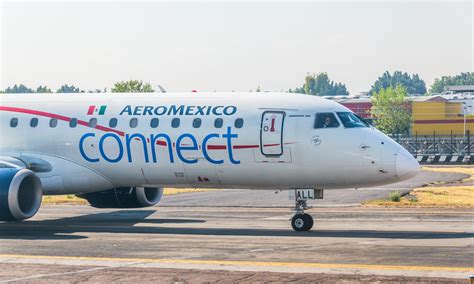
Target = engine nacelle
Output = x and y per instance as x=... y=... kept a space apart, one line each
x=124 y=197
x=20 y=193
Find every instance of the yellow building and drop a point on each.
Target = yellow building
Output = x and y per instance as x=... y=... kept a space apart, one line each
x=437 y=114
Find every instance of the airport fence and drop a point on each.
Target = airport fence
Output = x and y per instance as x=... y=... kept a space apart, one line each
x=439 y=149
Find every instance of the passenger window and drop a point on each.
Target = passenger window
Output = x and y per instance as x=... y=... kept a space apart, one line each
x=133 y=122
x=326 y=120
x=73 y=122
x=93 y=122
x=154 y=122
x=113 y=122
x=53 y=122
x=175 y=122
x=14 y=122
x=218 y=123
x=239 y=122
x=351 y=120
x=34 y=122
x=197 y=122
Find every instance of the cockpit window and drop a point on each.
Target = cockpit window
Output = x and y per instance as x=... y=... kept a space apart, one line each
x=351 y=120
x=326 y=120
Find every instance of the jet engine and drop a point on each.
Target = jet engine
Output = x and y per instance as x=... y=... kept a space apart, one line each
x=124 y=197
x=20 y=193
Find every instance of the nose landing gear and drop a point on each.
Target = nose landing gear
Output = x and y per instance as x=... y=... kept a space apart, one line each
x=301 y=221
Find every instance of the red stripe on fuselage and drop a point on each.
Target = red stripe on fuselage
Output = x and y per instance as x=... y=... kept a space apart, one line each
x=59 y=117
x=35 y=112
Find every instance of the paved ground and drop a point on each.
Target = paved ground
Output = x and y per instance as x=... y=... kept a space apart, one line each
x=126 y=274
x=196 y=244
x=246 y=239
x=336 y=197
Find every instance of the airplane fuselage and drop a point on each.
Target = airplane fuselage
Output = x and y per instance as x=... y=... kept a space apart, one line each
x=94 y=142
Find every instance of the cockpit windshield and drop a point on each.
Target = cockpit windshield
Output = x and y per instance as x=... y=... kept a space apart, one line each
x=351 y=120
x=326 y=120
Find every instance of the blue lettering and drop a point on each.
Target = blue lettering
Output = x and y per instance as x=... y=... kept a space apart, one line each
x=148 y=110
x=190 y=110
x=204 y=149
x=101 y=148
x=127 y=109
x=162 y=108
x=229 y=137
x=179 y=110
x=128 y=141
x=154 y=140
x=81 y=148
x=214 y=110
x=232 y=110
x=107 y=153
x=200 y=110
x=138 y=110
x=176 y=110
x=180 y=148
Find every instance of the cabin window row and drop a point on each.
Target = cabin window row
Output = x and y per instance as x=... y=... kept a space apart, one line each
x=133 y=123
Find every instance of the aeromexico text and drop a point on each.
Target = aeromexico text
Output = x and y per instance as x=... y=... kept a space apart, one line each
x=179 y=110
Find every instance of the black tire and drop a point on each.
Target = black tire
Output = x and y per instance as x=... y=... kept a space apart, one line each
x=302 y=222
x=299 y=222
x=309 y=218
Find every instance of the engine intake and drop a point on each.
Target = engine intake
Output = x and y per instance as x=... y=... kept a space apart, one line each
x=20 y=194
x=124 y=197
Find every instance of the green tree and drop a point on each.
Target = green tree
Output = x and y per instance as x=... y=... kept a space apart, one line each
x=309 y=86
x=132 y=86
x=19 y=89
x=320 y=85
x=412 y=83
x=462 y=79
x=43 y=89
x=69 y=89
x=391 y=110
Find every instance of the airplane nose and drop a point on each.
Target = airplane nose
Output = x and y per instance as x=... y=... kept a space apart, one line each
x=407 y=166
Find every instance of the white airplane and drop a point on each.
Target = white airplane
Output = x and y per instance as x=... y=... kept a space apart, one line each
x=121 y=150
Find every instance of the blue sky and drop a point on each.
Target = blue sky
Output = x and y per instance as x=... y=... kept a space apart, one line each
x=233 y=45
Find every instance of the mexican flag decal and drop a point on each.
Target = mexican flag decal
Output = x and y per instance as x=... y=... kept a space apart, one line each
x=96 y=110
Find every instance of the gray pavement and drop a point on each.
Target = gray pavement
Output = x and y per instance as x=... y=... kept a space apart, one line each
x=246 y=239
x=389 y=243
x=333 y=197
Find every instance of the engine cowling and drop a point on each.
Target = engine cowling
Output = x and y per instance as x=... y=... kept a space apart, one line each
x=21 y=193
x=125 y=197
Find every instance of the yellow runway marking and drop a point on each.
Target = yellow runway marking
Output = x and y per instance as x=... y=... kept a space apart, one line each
x=243 y=263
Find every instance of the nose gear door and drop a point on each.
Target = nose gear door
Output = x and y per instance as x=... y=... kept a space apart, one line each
x=271 y=133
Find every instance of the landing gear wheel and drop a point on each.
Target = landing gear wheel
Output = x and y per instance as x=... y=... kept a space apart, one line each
x=302 y=222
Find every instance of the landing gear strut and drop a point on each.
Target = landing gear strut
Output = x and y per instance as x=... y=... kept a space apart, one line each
x=301 y=221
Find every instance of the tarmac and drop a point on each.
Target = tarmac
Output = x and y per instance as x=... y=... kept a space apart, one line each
x=244 y=244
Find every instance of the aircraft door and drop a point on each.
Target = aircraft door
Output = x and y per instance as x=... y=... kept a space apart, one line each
x=271 y=133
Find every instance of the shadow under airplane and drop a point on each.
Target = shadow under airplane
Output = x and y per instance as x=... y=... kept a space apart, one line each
x=124 y=221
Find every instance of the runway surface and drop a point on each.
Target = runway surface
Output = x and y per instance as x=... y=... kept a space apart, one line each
x=244 y=236
x=167 y=244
